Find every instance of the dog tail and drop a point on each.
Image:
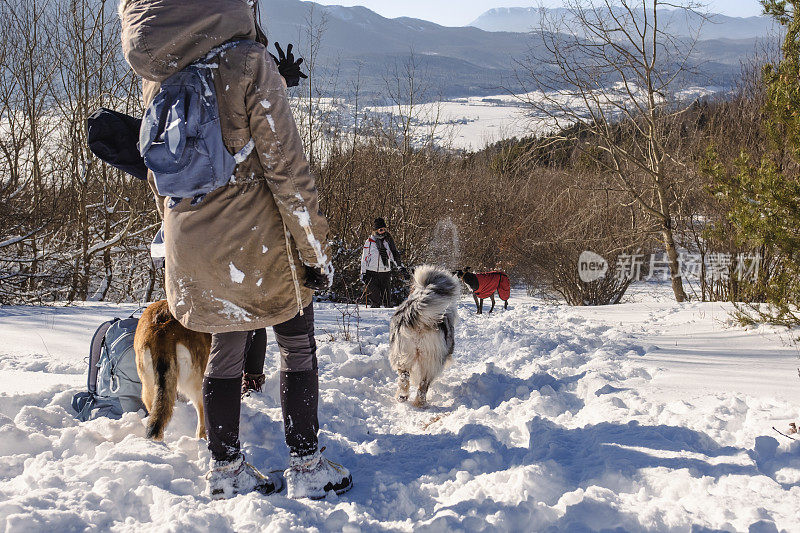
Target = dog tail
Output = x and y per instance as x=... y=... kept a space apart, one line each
x=164 y=358
x=162 y=318
x=434 y=291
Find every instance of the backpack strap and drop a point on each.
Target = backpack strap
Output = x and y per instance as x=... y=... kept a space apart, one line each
x=207 y=62
x=95 y=349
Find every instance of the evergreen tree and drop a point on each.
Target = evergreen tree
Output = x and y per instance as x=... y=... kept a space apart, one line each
x=763 y=196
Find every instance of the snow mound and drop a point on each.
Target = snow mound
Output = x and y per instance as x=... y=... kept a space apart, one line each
x=641 y=417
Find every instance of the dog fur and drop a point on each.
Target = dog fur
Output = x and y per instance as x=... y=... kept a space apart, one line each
x=170 y=359
x=471 y=280
x=422 y=331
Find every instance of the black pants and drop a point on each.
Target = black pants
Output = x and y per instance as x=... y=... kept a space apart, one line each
x=378 y=288
x=298 y=382
x=256 y=353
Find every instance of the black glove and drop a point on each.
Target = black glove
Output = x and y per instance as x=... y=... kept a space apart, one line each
x=113 y=137
x=287 y=66
x=318 y=279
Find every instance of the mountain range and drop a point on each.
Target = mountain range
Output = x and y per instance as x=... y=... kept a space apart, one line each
x=360 y=47
x=681 y=23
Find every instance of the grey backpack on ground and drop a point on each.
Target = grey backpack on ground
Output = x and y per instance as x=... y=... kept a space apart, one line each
x=181 y=139
x=113 y=386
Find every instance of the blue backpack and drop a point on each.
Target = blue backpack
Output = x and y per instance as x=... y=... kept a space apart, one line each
x=181 y=140
x=113 y=382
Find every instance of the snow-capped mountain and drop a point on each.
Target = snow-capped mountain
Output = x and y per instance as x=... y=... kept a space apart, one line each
x=713 y=26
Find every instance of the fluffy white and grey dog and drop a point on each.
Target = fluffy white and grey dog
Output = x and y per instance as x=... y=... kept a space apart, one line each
x=422 y=331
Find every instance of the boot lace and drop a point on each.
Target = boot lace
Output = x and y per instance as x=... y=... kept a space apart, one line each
x=235 y=472
x=244 y=464
x=316 y=459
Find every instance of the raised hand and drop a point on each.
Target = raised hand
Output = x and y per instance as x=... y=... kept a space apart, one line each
x=287 y=66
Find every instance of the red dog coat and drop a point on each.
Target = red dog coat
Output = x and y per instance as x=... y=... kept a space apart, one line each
x=489 y=282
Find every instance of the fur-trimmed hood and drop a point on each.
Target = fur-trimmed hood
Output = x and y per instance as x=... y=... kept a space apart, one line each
x=162 y=37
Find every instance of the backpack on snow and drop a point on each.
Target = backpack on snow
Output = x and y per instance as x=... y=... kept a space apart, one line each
x=181 y=139
x=113 y=382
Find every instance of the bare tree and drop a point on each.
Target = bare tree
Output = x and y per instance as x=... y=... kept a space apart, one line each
x=70 y=226
x=410 y=130
x=90 y=74
x=611 y=73
x=313 y=113
x=27 y=75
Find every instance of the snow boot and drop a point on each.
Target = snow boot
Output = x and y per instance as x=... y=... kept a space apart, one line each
x=226 y=479
x=312 y=476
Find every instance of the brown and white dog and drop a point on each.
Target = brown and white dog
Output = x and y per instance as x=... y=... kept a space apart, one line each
x=422 y=331
x=170 y=359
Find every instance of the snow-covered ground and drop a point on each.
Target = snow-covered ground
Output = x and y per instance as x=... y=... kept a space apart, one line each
x=647 y=416
x=471 y=123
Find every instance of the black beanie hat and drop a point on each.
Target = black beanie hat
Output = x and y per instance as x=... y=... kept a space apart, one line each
x=379 y=223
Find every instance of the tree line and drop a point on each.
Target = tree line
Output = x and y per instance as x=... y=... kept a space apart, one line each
x=619 y=162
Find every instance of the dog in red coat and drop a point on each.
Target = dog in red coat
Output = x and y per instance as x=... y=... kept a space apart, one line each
x=485 y=285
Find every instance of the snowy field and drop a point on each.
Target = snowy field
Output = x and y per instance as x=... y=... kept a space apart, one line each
x=647 y=416
x=474 y=122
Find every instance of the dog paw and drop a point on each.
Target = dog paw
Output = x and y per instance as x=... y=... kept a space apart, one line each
x=420 y=404
x=401 y=398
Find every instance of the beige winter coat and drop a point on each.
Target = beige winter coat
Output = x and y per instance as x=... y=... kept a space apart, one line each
x=228 y=265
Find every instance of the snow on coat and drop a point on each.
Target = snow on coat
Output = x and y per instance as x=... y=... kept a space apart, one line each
x=235 y=260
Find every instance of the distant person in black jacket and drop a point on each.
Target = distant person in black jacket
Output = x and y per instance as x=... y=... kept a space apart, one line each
x=378 y=259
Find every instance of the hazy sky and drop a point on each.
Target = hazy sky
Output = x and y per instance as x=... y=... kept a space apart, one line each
x=462 y=12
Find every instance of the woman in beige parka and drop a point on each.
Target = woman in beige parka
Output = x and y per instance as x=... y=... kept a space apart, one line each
x=248 y=255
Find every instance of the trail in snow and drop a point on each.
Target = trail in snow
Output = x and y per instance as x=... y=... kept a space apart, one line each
x=649 y=416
